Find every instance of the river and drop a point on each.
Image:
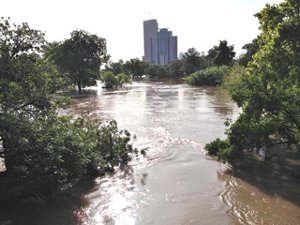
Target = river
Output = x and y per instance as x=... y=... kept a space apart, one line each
x=176 y=183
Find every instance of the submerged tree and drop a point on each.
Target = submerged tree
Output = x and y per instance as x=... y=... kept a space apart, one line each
x=114 y=81
x=80 y=57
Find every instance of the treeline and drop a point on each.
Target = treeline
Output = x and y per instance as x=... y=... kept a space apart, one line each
x=191 y=61
x=45 y=152
x=268 y=89
x=223 y=67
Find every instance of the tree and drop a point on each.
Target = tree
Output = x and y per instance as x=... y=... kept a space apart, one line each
x=251 y=49
x=155 y=70
x=115 y=67
x=233 y=81
x=270 y=90
x=27 y=82
x=211 y=76
x=114 y=81
x=177 y=68
x=45 y=152
x=135 y=67
x=123 y=79
x=194 y=61
x=81 y=57
x=222 y=54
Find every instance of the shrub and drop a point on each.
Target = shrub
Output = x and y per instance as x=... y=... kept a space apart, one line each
x=233 y=82
x=109 y=79
x=112 y=81
x=217 y=145
x=123 y=78
x=211 y=76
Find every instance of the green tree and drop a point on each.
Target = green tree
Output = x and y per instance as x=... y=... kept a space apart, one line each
x=27 y=84
x=109 y=79
x=211 y=76
x=135 y=67
x=113 y=81
x=177 y=68
x=155 y=70
x=45 y=152
x=251 y=49
x=233 y=81
x=123 y=79
x=115 y=67
x=270 y=90
x=222 y=54
x=80 y=57
x=194 y=61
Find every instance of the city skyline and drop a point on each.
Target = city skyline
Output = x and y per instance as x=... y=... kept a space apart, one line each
x=198 y=24
x=160 y=45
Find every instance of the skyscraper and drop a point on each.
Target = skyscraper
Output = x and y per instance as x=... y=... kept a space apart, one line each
x=150 y=41
x=160 y=46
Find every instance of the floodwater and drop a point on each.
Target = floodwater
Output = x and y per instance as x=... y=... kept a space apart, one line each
x=176 y=183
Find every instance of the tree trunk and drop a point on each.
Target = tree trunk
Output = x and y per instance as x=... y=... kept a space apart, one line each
x=79 y=87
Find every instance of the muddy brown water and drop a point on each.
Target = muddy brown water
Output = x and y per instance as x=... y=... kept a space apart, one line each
x=176 y=183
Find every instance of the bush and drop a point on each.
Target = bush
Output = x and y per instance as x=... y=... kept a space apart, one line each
x=50 y=155
x=123 y=79
x=109 y=80
x=233 y=82
x=112 y=81
x=217 y=145
x=227 y=155
x=223 y=149
x=211 y=76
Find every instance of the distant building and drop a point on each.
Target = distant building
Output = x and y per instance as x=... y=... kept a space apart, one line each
x=150 y=41
x=160 y=46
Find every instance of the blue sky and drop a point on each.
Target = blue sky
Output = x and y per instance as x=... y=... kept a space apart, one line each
x=197 y=23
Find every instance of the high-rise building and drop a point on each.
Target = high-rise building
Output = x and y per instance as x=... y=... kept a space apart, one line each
x=173 y=48
x=160 y=46
x=150 y=41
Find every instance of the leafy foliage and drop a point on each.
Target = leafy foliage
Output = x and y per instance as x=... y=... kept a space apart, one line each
x=115 y=67
x=45 y=152
x=157 y=70
x=135 y=67
x=216 y=146
x=251 y=49
x=194 y=61
x=222 y=149
x=233 y=81
x=49 y=154
x=123 y=79
x=112 y=81
x=270 y=90
x=80 y=57
x=222 y=54
x=210 y=76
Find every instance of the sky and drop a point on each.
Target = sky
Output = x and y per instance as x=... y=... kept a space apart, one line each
x=197 y=23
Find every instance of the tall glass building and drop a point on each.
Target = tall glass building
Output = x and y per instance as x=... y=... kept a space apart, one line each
x=160 y=46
